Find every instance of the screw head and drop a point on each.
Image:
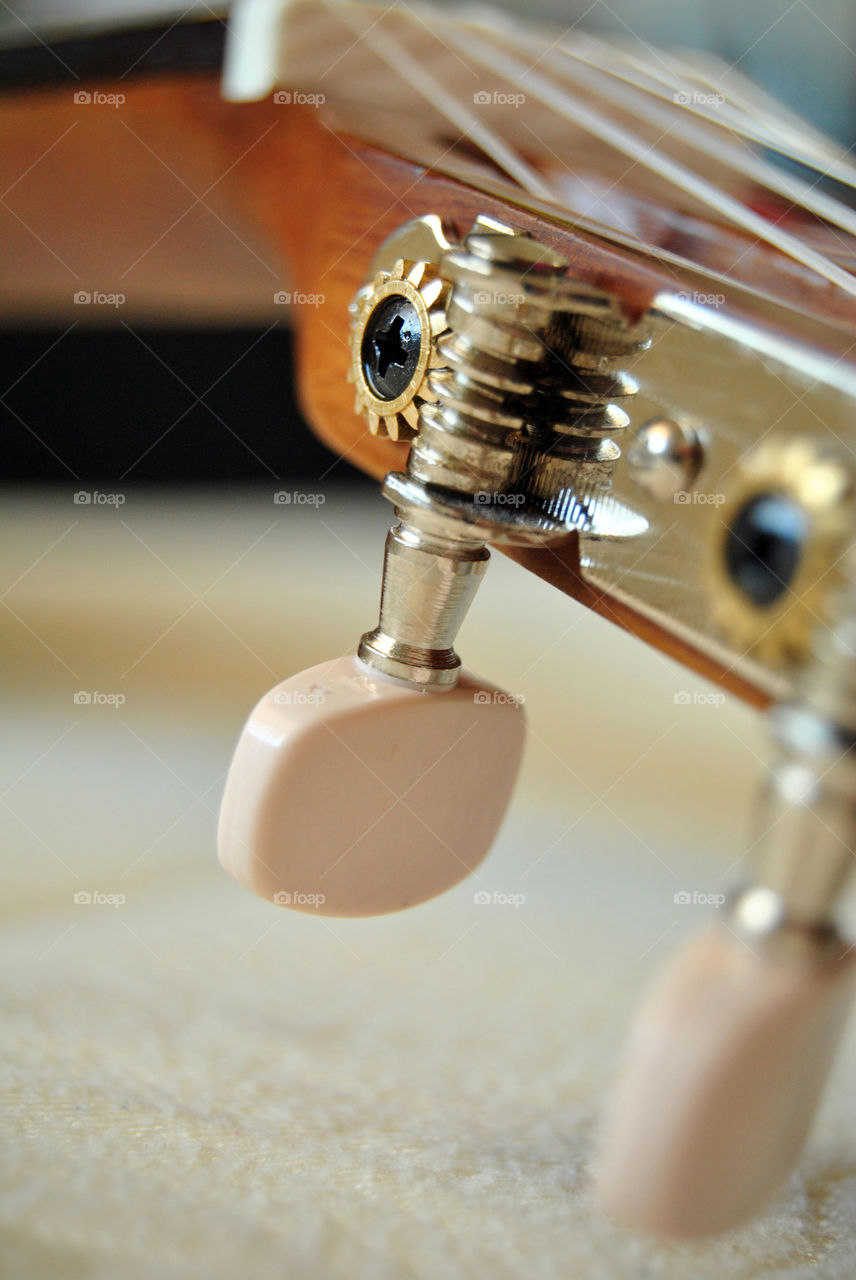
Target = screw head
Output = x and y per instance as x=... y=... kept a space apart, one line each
x=397 y=324
x=392 y=342
x=777 y=549
x=763 y=546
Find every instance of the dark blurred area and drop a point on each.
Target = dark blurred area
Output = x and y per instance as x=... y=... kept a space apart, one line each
x=204 y=396
x=155 y=405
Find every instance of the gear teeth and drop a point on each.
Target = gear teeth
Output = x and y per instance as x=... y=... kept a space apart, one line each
x=437 y=321
x=431 y=291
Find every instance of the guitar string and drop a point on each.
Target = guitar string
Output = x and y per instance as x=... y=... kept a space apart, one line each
x=390 y=51
x=728 y=123
x=746 y=108
x=779 y=127
x=796 y=141
x=497 y=184
x=704 y=140
x=523 y=175
x=808 y=148
x=394 y=55
x=595 y=122
x=686 y=130
x=790 y=187
x=752 y=112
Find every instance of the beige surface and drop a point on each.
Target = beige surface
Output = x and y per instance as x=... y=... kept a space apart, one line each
x=202 y=1085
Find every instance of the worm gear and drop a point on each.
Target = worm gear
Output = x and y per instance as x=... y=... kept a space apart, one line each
x=396 y=322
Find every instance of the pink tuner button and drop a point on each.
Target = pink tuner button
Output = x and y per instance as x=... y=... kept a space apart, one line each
x=724 y=1069
x=354 y=794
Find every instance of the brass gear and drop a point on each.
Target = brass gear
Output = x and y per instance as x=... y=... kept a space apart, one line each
x=818 y=488
x=420 y=285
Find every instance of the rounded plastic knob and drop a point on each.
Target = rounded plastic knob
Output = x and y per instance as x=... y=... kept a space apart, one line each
x=724 y=1069
x=354 y=794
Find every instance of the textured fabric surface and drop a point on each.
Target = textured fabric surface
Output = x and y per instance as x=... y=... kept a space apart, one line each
x=199 y=1084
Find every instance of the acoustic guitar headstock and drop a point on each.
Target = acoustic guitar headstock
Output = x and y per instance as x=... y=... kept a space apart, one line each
x=608 y=336
x=562 y=296
x=725 y=282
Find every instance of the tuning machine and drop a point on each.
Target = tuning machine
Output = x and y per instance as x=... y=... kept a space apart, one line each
x=379 y=779
x=731 y=1047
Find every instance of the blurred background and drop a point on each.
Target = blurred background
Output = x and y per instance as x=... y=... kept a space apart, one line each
x=197 y=1082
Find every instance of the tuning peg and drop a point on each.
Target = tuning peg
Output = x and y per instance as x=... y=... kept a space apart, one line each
x=725 y=1066
x=728 y=1056
x=378 y=780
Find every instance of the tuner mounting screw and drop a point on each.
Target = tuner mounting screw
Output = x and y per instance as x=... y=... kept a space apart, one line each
x=390 y=349
x=775 y=558
x=396 y=322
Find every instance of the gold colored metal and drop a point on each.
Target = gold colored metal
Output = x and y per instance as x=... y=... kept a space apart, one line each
x=420 y=284
x=821 y=486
